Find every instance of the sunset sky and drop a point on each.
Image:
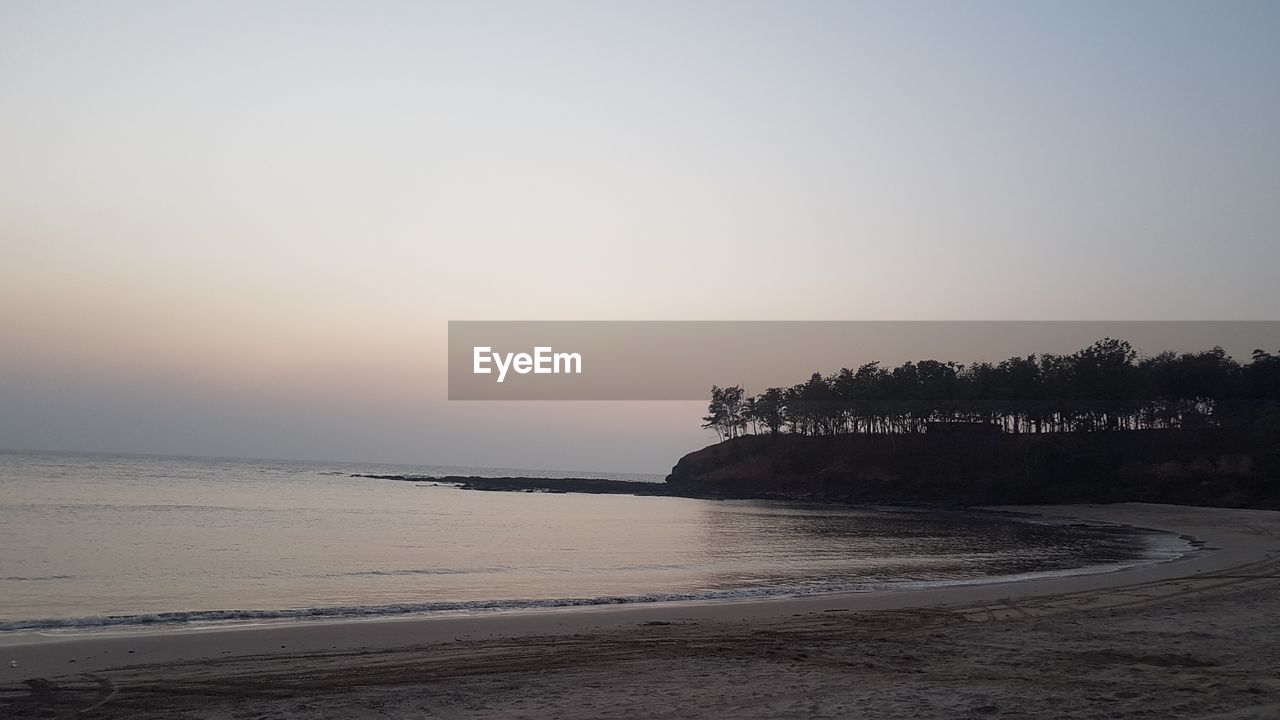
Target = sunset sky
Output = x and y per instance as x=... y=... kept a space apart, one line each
x=240 y=228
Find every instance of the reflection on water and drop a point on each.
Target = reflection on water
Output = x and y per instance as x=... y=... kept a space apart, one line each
x=770 y=543
x=87 y=536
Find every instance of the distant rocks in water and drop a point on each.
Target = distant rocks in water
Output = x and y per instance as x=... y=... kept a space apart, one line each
x=961 y=465
x=594 y=486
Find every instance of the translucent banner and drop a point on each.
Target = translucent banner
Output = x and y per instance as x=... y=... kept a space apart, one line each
x=681 y=360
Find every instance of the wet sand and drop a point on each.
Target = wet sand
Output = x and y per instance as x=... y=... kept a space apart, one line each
x=1196 y=637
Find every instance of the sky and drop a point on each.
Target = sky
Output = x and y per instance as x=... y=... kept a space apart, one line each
x=240 y=228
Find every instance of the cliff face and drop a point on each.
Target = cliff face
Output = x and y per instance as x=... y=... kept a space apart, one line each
x=1195 y=467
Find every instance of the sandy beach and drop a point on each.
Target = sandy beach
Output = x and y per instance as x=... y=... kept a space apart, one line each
x=1195 y=637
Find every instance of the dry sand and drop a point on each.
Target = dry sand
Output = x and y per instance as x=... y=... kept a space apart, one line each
x=1197 y=637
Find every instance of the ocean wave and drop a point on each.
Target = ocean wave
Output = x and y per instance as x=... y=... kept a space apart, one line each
x=416 y=571
x=1163 y=549
x=363 y=611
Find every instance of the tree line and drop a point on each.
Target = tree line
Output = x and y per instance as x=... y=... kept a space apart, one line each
x=1103 y=387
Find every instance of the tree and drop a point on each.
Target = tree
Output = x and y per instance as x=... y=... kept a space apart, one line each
x=1103 y=387
x=767 y=409
x=726 y=412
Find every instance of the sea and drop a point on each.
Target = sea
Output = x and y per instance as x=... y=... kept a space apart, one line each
x=101 y=541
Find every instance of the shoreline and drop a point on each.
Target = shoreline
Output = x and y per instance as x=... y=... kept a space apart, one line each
x=1160 y=547
x=41 y=654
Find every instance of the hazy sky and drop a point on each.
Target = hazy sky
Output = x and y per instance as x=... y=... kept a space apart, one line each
x=240 y=228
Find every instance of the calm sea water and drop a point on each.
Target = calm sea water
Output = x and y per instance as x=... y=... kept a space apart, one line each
x=109 y=540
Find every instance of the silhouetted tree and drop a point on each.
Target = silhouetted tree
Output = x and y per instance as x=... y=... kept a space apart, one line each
x=767 y=409
x=1103 y=387
x=726 y=412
